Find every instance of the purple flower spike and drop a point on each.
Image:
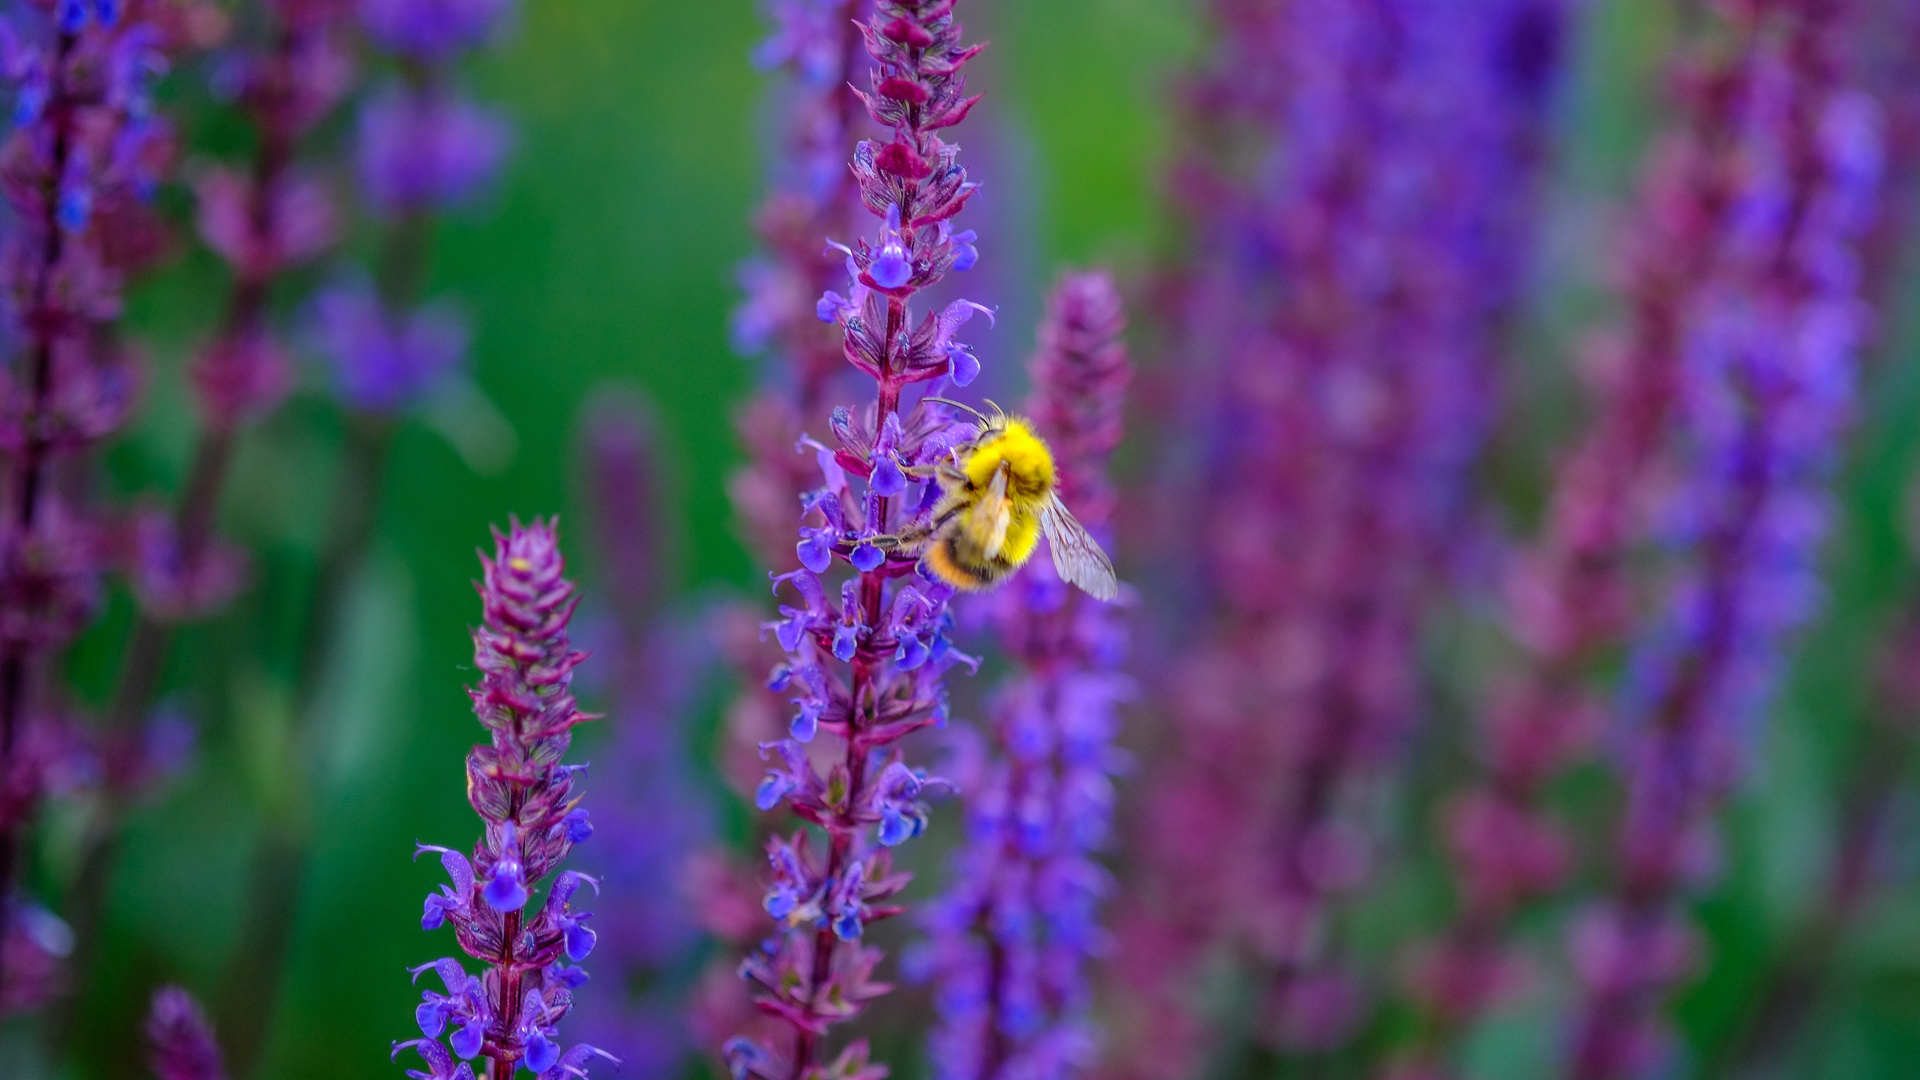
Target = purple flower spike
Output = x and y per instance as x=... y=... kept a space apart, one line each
x=1026 y=883
x=1361 y=192
x=181 y=1040
x=86 y=152
x=526 y=797
x=1758 y=213
x=866 y=658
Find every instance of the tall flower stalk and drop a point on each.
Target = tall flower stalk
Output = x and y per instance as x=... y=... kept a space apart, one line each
x=78 y=169
x=1358 y=192
x=526 y=798
x=421 y=149
x=1765 y=354
x=866 y=657
x=264 y=221
x=653 y=814
x=1012 y=938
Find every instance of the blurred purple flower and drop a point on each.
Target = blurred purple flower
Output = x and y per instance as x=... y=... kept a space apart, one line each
x=383 y=362
x=422 y=152
x=180 y=1041
x=78 y=170
x=432 y=31
x=1362 y=181
x=652 y=816
x=1784 y=155
x=812 y=195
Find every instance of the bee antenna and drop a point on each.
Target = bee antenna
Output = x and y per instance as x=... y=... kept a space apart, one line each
x=962 y=406
x=997 y=410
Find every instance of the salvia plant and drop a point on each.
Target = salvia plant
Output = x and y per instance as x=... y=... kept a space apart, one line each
x=180 y=1042
x=526 y=797
x=866 y=658
x=1010 y=943
x=1358 y=182
x=1453 y=630
x=659 y=815
x=82 y=161
x=1765 y=355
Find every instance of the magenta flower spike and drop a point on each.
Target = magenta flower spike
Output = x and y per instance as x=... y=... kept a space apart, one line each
x=179 y=1039
x=1010 y=942
x=1361 y=184
x=526 y=798
x=85 y=153
x=866 y=649
x=1784 y=155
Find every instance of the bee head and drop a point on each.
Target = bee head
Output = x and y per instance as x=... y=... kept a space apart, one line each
x=1010 y=441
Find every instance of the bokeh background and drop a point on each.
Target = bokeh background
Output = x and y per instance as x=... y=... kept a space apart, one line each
x=606 y=256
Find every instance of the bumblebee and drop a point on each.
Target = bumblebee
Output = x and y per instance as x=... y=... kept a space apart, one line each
x=998 y=497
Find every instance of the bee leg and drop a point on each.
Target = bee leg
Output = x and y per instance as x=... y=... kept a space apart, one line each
x=907 y=539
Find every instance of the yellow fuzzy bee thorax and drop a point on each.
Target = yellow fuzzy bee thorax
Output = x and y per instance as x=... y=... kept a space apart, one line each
x=1029 y=464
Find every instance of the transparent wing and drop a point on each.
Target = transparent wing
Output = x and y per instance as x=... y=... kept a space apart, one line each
x=986 y=524
x=1076 y=555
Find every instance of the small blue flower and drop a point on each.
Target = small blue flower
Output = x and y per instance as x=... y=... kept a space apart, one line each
x=468 y=1040
x=965 y=254
x=962 y=366
x=578 y=824
x=815 y=549
x=542 y=1052
x=506 y=888
x=773 y=787
x=888 y=479
x=891 y=267
x=911 y=654
x=805 y=723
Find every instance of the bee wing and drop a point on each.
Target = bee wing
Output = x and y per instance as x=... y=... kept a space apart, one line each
x=1077 y=556
x=986 y=524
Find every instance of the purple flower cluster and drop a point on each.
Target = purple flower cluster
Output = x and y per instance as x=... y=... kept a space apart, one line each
x=1765 y=356
x=526 y=797
x=866 y=657
x=423 y=149
x=1011 y=940
x=84 y=154
x=1353 y=271
x=180 y=1041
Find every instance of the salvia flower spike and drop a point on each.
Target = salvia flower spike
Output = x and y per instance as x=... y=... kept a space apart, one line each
x=529 y=945
x=867 y=651
x=1011 y=940
x=1787 y=153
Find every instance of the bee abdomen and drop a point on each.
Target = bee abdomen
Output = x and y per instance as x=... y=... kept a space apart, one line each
x=956 y=562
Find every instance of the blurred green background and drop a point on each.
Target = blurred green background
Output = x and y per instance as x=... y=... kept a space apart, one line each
x=608 y=254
